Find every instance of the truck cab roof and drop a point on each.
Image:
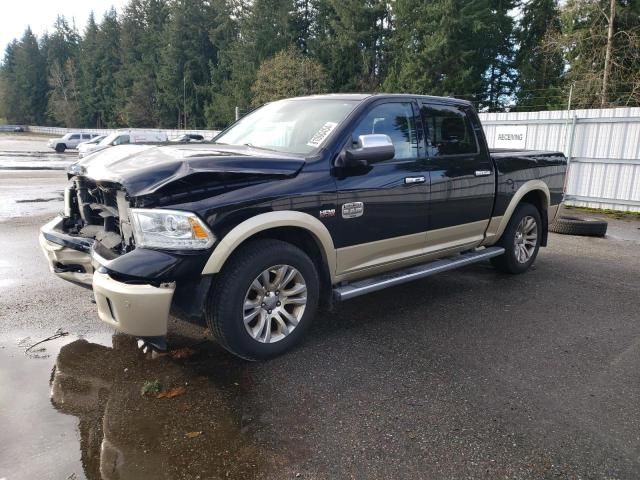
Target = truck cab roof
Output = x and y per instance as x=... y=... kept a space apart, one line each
x=376 y=96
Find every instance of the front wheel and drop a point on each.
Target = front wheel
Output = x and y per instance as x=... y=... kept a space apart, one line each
x=521 y=240
x=61 y=147
x=263 y=300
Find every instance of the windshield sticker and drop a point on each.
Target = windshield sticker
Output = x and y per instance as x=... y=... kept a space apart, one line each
x=322 y=134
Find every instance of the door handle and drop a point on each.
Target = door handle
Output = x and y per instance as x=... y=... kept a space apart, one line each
x=483 y=173
x=412 y=180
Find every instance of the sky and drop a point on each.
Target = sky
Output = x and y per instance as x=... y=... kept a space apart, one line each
x=16 y=15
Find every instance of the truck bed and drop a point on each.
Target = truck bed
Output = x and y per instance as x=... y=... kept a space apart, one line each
x=506 y=152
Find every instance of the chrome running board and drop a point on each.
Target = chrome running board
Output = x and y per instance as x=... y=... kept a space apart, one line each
x=398 y=277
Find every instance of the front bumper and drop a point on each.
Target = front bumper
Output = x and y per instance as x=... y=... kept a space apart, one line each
x=137 y=309
x=140 y=310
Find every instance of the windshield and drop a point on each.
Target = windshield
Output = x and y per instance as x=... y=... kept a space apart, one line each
x=293 y=126
x=109 y=139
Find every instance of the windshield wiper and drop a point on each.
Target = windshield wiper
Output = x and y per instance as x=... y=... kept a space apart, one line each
x=250 y=145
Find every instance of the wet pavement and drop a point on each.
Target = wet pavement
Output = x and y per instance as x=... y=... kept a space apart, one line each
x=86 y=416
x=32 y=176
x=27 y=151
x=469 y=374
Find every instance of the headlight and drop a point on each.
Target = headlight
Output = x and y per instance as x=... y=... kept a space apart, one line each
x=76 y=169
x=172 y=229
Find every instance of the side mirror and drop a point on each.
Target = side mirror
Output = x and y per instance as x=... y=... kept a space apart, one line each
x=371 y=149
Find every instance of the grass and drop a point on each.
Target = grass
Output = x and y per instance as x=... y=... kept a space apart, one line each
x=151 y=387
x=609 y=213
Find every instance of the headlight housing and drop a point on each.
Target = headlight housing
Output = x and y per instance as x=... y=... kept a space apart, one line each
x=170 y=229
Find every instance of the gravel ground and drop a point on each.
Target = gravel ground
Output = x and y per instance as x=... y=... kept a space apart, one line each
x=469 y=374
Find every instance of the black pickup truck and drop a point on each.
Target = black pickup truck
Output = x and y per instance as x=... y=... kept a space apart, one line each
x=302 y=203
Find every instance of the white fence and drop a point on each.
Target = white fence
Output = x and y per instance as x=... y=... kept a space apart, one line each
x=59 y=131
x=603 y=148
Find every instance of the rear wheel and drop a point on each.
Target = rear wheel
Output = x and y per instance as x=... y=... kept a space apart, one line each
x=61 y=147
x=521 y=240
x=264 y=299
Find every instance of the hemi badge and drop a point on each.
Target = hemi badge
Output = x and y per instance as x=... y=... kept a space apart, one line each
x=328 y=213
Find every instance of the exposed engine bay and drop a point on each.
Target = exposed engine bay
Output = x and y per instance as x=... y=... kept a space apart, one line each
x=99 y=211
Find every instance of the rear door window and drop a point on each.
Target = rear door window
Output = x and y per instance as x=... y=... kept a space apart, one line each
x=448 y=131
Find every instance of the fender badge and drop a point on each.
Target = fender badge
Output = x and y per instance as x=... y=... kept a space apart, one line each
x=328 y=213
x=352 y=210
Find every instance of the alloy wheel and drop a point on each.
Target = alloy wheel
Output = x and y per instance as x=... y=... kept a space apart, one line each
x=526 y=239
x=274 y=303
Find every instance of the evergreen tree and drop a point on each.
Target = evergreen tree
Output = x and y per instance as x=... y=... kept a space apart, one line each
x=89 y=72
x=349 y=40
x=260 y=30
x=143 y=23
x=184 y=79
x=496 y=26
x=9 y=98
x=62 y=50
x=63 y=44
x=108 y=64
x=452 y=47
x=30 y=81
x=540 y=71
x=224 y=90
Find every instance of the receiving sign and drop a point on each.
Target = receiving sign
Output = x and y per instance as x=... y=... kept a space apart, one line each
x=510 y=136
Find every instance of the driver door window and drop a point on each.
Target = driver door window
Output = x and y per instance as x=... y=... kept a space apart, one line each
x=395 y=120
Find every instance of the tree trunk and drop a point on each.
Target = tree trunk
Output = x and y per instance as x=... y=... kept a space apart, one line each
x=607 y=57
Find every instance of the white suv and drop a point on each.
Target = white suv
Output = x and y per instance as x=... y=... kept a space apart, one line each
x=70 y=140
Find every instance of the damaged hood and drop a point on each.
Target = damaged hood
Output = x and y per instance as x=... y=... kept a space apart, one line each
x=143 y=169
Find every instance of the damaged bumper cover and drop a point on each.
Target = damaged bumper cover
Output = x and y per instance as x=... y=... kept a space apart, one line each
x=133 y=292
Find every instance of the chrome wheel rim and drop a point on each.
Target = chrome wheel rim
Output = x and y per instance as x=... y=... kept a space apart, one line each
x=274 y=303
x=526 y=239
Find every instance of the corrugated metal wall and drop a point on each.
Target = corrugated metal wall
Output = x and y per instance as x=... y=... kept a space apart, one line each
x=603 y=147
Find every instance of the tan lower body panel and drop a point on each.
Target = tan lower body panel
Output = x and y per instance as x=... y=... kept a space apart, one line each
x=372 y=258
x=366 y=255
x=452 y=237
x=140 y=310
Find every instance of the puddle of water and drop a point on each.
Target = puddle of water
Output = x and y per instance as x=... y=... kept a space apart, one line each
x=75 y=410
x=34 y=435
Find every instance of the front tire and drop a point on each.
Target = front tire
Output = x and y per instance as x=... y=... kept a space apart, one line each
x=61 y=147
x=264 y=299
x=521 y=240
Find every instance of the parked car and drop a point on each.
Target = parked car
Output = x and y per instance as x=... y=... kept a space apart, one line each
x=301 y=203
x=188 y=138
x=122 y=137
x=85 y=146
x=94 y=141
x=69 y=141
